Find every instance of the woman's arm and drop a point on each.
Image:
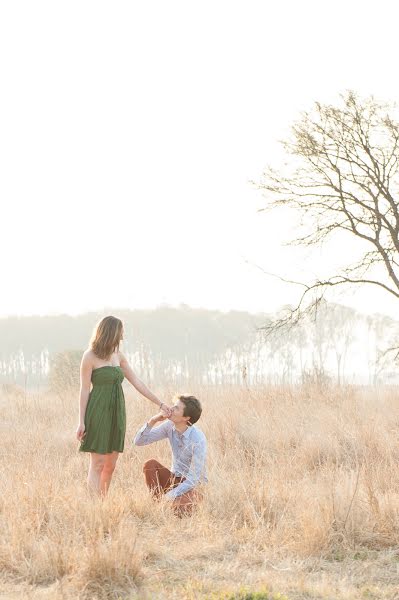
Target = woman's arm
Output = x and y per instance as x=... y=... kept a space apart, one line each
x=86 y=368
x=137 y=383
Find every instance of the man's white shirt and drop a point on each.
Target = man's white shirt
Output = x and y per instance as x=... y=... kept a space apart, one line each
x=188 y=451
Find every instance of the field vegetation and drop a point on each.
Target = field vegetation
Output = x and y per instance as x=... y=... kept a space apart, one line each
x=302 y=501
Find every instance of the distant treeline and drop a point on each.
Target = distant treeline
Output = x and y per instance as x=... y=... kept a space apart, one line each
x=166 y=342
x=186 y=344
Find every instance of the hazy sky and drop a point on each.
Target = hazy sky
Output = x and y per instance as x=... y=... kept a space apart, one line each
x=129 y=132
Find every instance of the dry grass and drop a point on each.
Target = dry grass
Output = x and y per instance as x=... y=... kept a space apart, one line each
x=303 y=500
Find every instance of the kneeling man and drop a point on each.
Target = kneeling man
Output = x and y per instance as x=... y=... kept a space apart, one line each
x=182 y=484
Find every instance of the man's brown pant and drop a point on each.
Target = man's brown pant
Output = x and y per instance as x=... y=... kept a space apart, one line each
x=160 y=480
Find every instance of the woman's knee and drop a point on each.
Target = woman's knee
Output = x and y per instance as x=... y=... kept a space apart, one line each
x=97 y=464
x=109 y=468
x=110 y=463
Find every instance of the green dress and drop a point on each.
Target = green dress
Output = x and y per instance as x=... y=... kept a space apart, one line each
x=105 y=418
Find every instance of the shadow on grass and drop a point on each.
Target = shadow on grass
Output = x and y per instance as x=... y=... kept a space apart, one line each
x=247 y=595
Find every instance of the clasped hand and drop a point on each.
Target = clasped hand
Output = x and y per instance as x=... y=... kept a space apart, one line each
x=165 y=412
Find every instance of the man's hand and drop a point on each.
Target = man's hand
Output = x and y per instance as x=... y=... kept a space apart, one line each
x=158 y=418
x=166 y=410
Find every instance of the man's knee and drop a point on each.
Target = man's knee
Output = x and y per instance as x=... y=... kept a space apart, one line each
x=187 y=503
x=184 y=507
x=151 y=465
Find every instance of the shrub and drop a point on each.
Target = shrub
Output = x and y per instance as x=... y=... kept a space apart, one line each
x=64 y=376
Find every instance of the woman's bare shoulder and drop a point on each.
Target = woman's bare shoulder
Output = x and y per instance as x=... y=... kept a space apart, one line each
x=88 y=356
x=122 y=358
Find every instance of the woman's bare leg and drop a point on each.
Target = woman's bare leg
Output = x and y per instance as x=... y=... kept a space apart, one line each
x=106 y=473
x=97 y=462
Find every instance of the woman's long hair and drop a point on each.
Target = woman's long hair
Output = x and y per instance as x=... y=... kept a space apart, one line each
x=106 y=337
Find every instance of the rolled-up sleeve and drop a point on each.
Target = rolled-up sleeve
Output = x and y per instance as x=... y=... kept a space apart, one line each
x=195 y=474
x=148 y=435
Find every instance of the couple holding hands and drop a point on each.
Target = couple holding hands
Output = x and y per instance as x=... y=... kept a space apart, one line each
x=102 y=424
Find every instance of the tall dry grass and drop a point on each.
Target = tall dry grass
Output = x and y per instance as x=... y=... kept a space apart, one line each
x=303 y=497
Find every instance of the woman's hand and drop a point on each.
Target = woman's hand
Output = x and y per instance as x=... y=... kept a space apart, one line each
x=80 y=432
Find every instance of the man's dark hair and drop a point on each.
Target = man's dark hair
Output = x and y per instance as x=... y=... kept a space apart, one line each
x=192 y=408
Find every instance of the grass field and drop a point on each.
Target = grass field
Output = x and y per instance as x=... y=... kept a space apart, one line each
x=302 y=502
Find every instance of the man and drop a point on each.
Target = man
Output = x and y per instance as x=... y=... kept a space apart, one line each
x=182 y=484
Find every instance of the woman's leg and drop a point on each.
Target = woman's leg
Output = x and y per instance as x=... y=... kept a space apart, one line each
x=106 y=473
x=97 y=462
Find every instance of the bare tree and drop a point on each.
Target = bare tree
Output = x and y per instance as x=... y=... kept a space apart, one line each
x=384 y=334
x=341 y=326
x=344 y=180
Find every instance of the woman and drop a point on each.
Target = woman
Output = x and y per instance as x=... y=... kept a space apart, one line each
x=102 y=416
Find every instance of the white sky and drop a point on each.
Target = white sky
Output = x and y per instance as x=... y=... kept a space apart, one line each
x=129 y=132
